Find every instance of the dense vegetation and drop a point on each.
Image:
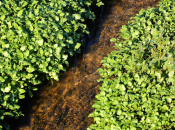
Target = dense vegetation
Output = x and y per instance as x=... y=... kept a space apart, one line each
x=138 y=81
x=36 y=38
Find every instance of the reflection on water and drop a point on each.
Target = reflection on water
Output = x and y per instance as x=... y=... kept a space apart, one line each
x=66 y=104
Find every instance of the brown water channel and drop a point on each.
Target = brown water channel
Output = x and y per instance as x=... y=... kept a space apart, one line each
x=66 y=104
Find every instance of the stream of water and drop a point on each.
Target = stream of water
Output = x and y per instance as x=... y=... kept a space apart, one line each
x=66 y=104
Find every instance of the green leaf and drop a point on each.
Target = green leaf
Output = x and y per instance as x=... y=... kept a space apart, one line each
x=100 y=4
x=21 y=91
x=125 y=36
x=20 y=13
x=83 y=10
x=30 y=94
x=119 y=112
x=96 y=118
x=3 y=17
x=159 y=22
x=26 y=53
x=36 y=10
x=151 y=15
x=56 y=18
x=1 y=117
x=173 y=67
x=31 y=15
x=16 y=106
x=168 y=19
x=2 y=79
x=24 y=4
x=34 y=88
x=6 y=54
x=77 y=45
x=63 y=3
x=136 y=32
x=30 y=69
x=132 y=128
x=153 y=61
x=6 y=97
x=23 y=48
x=124 y=29
x=7 y=89
x=141 y=11
x=113 y=40
x=40 y=66
x=65 y=57
x=4 y=103
x=77 y=16
x=30 y=25
x=21 y=96
x=60 y=67
x=122 y=87
x=129 y=83
x=58 y=50
x=41 y=51
x=40 y=42
x=165 y=107
x=15 y=25
x=88 y=3
x=8 y=113
x=169 y=99
x=96 y=106
x=34 y=3
x=171 y=73
x=62 y=14
x=60 y=36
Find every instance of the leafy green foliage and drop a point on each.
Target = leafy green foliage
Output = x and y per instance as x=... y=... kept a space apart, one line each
x=36 y=38
x=138 y=84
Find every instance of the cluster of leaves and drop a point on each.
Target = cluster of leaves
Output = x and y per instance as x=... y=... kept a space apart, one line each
x=36 y=38
x=138 y=88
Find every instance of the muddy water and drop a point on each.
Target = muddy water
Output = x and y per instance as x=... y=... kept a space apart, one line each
x=66 y=104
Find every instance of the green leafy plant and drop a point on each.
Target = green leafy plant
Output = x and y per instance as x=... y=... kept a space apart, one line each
x=138 y=84
x=36 y=38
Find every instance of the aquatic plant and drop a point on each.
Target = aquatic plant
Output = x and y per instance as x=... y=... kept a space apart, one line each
x=138 y=84
x=36 y=38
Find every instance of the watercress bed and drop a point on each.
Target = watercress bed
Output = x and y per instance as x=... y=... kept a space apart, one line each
x=36 y=38
x=138 y=81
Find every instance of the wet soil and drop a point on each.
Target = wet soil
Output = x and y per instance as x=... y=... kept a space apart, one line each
x=66 y=104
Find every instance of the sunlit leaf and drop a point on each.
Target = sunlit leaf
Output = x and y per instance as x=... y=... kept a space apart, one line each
x=7 y=89
x=77 y=45
x=21 y=91
x=21 y=96
x=60 y=36
x=8 y=113
x=40 y=42
x=20 y=13
x=3 y=17
x=113 y=40
x=77 y=16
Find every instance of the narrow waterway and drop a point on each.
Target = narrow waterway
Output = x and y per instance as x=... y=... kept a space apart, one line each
x=66 y=104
